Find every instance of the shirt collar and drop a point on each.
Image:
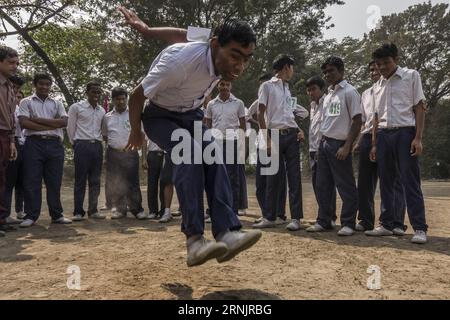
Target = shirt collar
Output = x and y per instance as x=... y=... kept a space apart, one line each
x=315 y=105
x=341 y=85
x=88 y=105
x=35 y=96
x=3 y=79
x=400 y=72
x=230 y=99
x=115 y=111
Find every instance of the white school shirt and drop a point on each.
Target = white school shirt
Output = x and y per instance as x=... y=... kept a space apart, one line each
x=116 y=127
x=340 y=106
x=18 y=132
x=34 y=107
x=314 y=128
x=181 y=77
x=395 y=98
x=225 y=116
x=276 y=96
x=368 y=110
x=85 y=122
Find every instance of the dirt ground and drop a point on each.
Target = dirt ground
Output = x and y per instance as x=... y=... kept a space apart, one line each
x=130 y=259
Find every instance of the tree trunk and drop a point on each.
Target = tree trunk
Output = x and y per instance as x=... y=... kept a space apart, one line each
x=44 y=56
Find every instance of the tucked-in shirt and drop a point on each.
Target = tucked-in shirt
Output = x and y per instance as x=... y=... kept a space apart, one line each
x=116 y=127
x=7 y=106
x=314 y=128
x=225 y=117
x=368 y=111
x=276 y=96
x=181 y=77
x=34 y=107
x=340 y=106
x=396 y=97
x=85 y=122
x=18 y=133
x=152 y=146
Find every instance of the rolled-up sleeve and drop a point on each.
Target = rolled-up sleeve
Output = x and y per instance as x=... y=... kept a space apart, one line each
x=354 y=103
x=418 y=94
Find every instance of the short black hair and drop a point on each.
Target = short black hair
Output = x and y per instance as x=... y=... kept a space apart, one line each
x=334 y=61
x=17 y=80
x=7 y=52
x=235 y=30
x=371 y=63
x=91 y=84
x=265 y=77
x=281 y=61
x=41 y=76
x=316 y=81
x=385 y=51
x=118 y=91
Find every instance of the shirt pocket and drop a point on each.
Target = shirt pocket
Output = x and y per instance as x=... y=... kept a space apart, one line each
x=402 y=94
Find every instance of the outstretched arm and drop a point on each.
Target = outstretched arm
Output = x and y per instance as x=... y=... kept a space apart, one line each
x=165 y=34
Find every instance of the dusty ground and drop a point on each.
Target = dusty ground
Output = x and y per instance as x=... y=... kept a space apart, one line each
x=145 y=260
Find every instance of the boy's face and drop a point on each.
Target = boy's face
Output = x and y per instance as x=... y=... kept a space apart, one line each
x=386 y=66
x=19 y=97
x=374 y=73
x=231 y=60
x=94 y=93
x=314 y=92
x=8 y=67
x=289 y=72
x=224 y=87
x=120 y=103
x=333 y=75
x=43 y=87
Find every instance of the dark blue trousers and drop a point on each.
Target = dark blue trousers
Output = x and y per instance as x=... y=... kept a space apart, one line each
x=192 y=179
x=243 y=198
x=122 y=170
x=43 y=159
x=313 y=164
x=14 y=182
x=155 y=160
x=232 y=170
x=395 y=162
x=333 y=173
x=261 y=189
x=367 y=183
x=288 y=154
x=88 y=159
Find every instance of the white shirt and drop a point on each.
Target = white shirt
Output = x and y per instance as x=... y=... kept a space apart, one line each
x=34 y=107
x=181 y=77
x=368 y=110
x=395 y=98
x=314 y=128
x=340 y=106
x=276 y=96
x=85 y=122
x=116 y=127
x=19 y=132
x=225 y=117
x=151 y=146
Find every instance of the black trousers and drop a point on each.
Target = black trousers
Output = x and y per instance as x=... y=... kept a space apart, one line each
x=14 y=181
x=122 y=169
x=288 y=154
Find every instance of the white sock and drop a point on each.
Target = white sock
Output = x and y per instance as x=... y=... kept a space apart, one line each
x=167 y=211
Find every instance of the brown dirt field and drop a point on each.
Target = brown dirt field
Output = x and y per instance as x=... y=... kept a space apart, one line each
x=146 y=260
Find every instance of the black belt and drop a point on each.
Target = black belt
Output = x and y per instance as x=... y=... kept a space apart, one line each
x=324 y=138
x=45 y=137
x=395 y=128
x=120 y=150
x=88 y=141
x=285 y=132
